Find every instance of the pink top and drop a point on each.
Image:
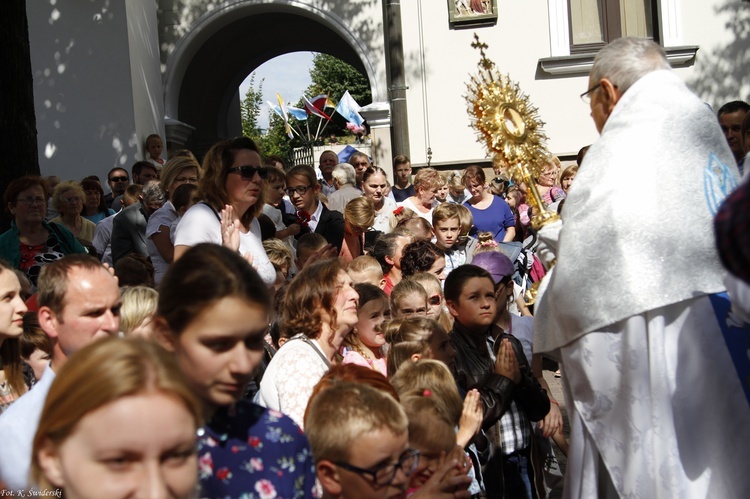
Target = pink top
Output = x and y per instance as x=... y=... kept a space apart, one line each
x=354 y=357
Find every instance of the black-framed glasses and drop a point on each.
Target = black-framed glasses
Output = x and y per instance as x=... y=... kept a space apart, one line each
x=300 y=189
x=248 y=172
x=119 y=179
x=586 y=96
x=383 y=475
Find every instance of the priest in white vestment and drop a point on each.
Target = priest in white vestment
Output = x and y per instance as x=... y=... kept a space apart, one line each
x=634 y=307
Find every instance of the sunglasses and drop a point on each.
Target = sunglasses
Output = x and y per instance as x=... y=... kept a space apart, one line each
x=434 y=300
x=118 y=179
x=248 y=172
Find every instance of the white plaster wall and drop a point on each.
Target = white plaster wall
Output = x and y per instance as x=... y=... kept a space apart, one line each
x=520 y=38
x=721 y=72
x=145 y=73
x=83 y=92
x=516 y=43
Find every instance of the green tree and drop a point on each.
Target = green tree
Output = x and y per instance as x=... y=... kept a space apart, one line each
x=333 y=76
x=275 y=141
x=250 y=109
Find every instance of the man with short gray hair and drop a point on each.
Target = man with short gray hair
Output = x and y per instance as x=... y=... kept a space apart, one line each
x=634 y=307
x=344 y=178
x=328 y=160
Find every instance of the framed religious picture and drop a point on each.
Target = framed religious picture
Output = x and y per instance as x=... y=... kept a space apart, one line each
x=472 y=12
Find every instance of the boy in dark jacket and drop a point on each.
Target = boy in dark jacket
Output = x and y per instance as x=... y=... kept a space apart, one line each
x=494 y=363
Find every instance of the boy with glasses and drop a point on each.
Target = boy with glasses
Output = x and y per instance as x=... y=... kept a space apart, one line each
x=313 y=216
x=360 y=441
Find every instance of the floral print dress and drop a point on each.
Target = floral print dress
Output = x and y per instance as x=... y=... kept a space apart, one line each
x=249 y=452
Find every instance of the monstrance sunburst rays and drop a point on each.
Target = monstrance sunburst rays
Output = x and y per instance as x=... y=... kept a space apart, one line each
x=509 y=126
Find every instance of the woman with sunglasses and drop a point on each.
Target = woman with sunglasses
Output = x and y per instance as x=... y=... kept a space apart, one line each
x=31 y=242
x=231 y=193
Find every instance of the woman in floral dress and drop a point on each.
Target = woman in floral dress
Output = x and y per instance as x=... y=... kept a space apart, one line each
x=213 y=314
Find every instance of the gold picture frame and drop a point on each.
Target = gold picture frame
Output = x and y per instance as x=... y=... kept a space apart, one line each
x=472 y=12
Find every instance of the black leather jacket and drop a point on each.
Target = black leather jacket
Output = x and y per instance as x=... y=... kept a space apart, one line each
x=474 y=369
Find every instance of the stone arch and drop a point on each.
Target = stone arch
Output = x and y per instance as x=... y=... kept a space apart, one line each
x=208 y=63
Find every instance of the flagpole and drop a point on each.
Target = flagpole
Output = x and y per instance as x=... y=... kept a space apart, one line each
x=299 y=134
x=317 y=133
x=324 y=126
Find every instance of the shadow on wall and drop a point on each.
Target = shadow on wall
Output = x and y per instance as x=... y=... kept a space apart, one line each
x=80 y=128
x=721 y=75
x=265 y=30
x=189 y=12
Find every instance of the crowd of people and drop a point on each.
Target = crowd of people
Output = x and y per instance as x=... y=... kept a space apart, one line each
x=239 y=328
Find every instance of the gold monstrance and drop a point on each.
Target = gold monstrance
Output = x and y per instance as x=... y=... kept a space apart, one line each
x=510 y=128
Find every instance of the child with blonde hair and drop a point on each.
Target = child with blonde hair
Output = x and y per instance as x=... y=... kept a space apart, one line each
x=435 y=299
x=364 y=344
x=486 y=243
x=417 y=338
x=457 y=192
x=137 y=311
x=360 y=442
x=408 y=298
x=430 y=432
x=465 y=417
x=435 y=376
x=366 y=269
x=401 y=215
x=451 y=225
x=154 y=148
x=280 y=255
x=418 y=227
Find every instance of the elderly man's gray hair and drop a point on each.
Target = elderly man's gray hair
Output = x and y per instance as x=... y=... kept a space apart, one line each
x=627 y=60
x=154 y=193
x=345 y=174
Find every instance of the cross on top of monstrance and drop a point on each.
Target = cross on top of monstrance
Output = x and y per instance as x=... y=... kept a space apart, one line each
x=510 y=128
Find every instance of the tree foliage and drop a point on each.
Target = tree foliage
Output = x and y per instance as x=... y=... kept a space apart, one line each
x=329 y=76
x=333 y=77
x=250 y=110
x=275 y=141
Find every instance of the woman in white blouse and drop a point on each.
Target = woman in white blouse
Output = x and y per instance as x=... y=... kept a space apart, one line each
x=320 y=309
x=374 y=184
x=426 y=185
x=233 y=179
x=176 y=172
